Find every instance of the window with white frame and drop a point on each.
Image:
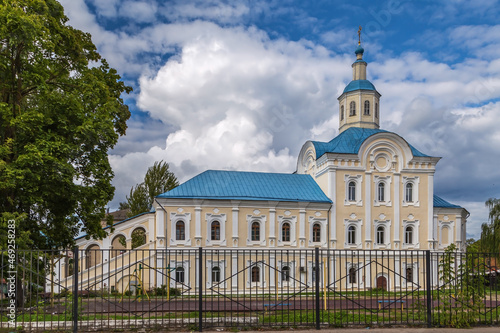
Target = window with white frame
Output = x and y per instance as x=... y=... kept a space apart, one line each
x=286 y=234
x=216 y=229
x=215 y=273
x=410 y=191
x=410 y=234
x=255 y=273
x=352 y=108
x=180 y=230
x=367 y=108
x=255 y=235
x=353 y=190
x=311 y=279
x=410 y=273
x=352 y=233
x=180 y=226
x=286 y=272
x=382 y=190
x=382 y=234
x=317 y=231
x=180 y=275
x=353 y=275
x=256 y=230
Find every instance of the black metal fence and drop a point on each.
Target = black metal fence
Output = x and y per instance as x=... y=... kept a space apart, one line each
x=83 y=290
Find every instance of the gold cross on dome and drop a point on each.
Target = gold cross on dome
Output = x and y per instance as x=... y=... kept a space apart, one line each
x=359 y=35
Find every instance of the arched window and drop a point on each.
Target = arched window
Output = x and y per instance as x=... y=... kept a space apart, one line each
x=215 y=274
x=376 y=110
x=179 y=274
x=409 y=235
x=215 y=230
x=380 y=235
x=367 y=108
x=255 y=231
x=351 y=235
x=93 y=255
x=118 y=245
x=409 y=192
x=138 y=237
x=255 y=274
x=341 y=112
x=381 y=192
x=352 y=275
x=285 y=232
x=180 y=231
x=352 y=191
x=352 y=108
x=409 y=274
x=316 y=236
x=285 y=274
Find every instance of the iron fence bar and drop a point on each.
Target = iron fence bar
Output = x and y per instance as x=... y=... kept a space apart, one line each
x=316 y=273
x=428 y=285
x=200 y=289
x=75 y=289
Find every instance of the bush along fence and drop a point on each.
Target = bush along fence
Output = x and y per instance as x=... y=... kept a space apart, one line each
x=196 y=289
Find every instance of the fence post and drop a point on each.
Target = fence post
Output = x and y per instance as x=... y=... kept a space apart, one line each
x=429 y=287
x=316 y=271
x=75 y=289
x=200 y=288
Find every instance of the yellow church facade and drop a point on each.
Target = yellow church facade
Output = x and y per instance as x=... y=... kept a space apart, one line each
x=367 y=191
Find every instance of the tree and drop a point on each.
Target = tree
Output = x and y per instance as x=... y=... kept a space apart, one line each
x=158 y=179
x=60 y=112
x=490 y=232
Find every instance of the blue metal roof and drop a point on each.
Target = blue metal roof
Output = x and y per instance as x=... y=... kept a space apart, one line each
x=359 y=84
x=235 y=185
x=440 y=202
x=350 y=140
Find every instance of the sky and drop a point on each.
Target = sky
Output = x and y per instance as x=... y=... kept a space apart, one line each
x=242 y=85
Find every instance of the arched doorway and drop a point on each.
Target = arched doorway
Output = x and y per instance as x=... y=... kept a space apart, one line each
x=382 y=282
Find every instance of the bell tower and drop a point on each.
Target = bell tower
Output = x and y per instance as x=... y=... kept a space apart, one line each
x=359 y=103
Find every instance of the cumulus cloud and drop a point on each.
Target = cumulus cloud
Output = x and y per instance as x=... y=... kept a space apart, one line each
x=219 y=94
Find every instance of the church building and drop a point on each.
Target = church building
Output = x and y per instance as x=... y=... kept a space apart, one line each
x=366 y=189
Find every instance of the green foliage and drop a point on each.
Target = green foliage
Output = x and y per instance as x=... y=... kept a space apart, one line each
x=158 y=179
x=490 y=232
x=138 y=238
x=462 y=291
x=162 y=291
x=60 y=112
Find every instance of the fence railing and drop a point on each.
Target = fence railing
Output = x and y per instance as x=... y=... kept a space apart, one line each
x=83 y=290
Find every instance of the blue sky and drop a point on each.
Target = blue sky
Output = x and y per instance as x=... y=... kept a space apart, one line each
x=241 y=85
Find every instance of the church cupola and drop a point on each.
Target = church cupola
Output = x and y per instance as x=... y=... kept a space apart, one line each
x=359 y=103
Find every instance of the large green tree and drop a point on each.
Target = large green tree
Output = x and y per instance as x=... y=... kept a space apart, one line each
x=490 y=232
x=60 y=112
x=158 y=179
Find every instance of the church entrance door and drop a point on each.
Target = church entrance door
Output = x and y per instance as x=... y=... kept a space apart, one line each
x=382 y=283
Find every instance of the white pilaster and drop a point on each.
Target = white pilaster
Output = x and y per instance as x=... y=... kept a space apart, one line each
x=397 y=205
x=368 y=210
x=430 y=203
x=302 y=227
x=235 y=217
x=332 y=185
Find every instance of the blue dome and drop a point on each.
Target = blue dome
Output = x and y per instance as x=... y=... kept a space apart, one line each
x=359 y=85
x=359 y=50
